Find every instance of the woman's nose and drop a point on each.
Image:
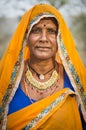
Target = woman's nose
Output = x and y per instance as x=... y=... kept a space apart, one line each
x=43 y=37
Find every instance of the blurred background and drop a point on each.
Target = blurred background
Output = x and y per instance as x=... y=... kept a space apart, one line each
x=73 y=11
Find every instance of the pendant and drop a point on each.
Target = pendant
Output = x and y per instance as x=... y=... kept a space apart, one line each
x=41 y=76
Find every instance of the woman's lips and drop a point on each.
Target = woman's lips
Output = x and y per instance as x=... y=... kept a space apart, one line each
x=43 y=48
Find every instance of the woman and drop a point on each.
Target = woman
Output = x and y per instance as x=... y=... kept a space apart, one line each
x=45 y=83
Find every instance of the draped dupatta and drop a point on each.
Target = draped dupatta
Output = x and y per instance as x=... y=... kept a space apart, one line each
x=12 y=63
x=58 y=111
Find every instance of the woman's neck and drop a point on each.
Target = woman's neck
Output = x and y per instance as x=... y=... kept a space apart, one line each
x=42 y=66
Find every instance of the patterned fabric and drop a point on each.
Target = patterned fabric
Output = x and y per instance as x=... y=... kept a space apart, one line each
x=53 y=112
x=12 y=63
x=46 y=111
x=20 y=100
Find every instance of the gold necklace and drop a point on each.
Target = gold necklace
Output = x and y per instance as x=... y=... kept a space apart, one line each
x=41 y=85
x=38 y=91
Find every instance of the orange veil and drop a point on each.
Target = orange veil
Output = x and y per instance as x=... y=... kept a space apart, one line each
x=12 y=63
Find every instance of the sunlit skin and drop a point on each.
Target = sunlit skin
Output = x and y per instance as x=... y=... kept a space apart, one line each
x=43 y=45
x=42 y=40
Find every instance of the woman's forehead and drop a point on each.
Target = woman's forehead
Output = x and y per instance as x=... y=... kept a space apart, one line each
x=38 y=18
x=45 y=22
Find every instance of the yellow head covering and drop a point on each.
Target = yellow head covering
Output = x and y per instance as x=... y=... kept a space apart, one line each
x=11 y=65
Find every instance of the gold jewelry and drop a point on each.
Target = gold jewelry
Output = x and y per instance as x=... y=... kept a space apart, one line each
x=41 y=85
x=52 y=90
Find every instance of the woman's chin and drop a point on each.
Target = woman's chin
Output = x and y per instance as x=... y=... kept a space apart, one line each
x=43 y=57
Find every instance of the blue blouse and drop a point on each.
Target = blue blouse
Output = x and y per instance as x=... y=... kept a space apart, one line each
x=20 y=100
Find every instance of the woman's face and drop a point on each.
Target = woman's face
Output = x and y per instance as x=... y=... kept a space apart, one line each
x=42 y=40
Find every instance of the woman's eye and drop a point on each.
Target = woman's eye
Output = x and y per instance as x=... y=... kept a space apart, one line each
x=51 y=31
x=36 y=30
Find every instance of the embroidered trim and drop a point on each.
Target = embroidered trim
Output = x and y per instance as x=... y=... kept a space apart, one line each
x=74 y=78
x=41 y=85
x=37 y=19
x=46 y=111
x=9 y=95
x=10 y=91
x=40 y=16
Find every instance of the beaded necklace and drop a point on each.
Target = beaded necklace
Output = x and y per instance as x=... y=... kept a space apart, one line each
x=40 y=92
x=40 y=85
x=41 y=88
